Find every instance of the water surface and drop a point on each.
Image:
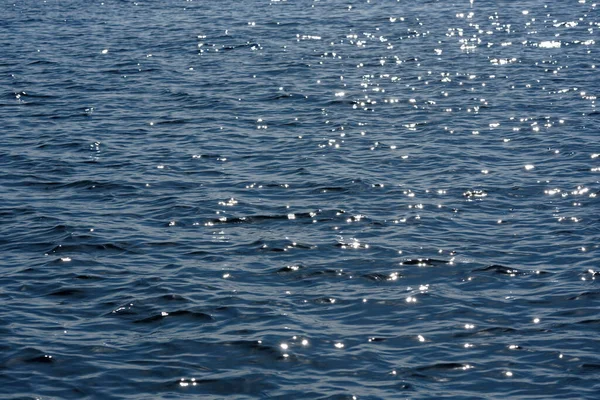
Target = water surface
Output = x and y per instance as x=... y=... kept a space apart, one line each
x=299 y=199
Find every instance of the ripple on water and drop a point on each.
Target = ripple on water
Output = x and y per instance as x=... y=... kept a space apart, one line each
x=299 y=200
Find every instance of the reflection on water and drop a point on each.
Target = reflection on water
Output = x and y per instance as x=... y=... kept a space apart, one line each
x=299 y=199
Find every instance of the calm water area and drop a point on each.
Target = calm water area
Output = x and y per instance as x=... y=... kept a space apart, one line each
x=301 y=199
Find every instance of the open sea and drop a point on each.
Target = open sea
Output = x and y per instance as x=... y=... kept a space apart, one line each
x=301 y=199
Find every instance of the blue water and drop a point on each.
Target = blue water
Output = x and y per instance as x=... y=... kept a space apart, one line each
x=299 y=199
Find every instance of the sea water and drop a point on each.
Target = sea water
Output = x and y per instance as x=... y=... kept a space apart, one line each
x=299 y=199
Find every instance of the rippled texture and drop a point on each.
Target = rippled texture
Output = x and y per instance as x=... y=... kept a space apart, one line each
x=299 y=199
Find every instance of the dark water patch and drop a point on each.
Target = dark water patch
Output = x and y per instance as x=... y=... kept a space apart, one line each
x=44 y=359
x=590 y=322
x=586 y=296
x=380 y=277
x=425 y=262
x=27 y=355
x=91 y=248
x=89 y=277
x=377 y=339
x=68 y=292
x=240 y=46
x=258 y=219
x=290 y=269
x=174 y=297
x=239 y=385
x=331 y=189
x=443 y=367
x=500 y=269
x=172 y=122
x=279 y=246
x=490 y=331
x=83 y=184
x=590 y=367
x=325 y=300
x=180 y=315
x=315 y=273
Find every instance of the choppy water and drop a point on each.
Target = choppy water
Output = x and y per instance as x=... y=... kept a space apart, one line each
x=299 y=199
